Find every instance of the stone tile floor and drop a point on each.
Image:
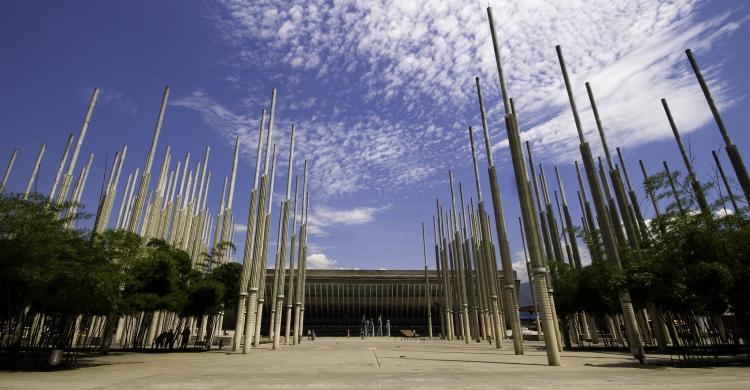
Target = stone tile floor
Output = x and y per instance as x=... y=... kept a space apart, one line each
x=340 y=363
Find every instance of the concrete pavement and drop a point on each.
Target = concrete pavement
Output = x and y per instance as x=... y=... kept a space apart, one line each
x=376 y=363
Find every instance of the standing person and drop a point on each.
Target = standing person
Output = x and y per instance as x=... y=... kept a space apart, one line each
x=185 y=338
x=160 y=340
x=313 y=335
x=170 y=339
x=347 y=333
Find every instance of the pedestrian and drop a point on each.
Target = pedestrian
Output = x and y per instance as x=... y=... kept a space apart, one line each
x=313 y=335
x=170 y=339
x=185 y=338
x=347 y=333
x=160 y=340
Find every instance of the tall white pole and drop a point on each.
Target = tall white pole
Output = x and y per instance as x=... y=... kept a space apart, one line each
x=146 y=178
x=86 y=120
x=8 y=169
x=35 y=172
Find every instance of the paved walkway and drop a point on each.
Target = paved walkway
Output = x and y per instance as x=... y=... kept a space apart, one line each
x=339 y=363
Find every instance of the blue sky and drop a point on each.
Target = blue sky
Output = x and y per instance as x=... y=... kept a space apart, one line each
x=382 y=93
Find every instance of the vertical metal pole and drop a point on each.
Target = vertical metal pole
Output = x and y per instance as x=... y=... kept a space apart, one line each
x=61 y=167
x=440 y=288
x=428 y=302
x=734 y=155
x=544 y=294
x=290 y=284
x=459 y=261
x=606 y=228
x=146 y=178
x=673 y=186
x=84 y=127
x=279 y=283
x=568 y=222
x=700 y=197
x=649 y=190
x=468 y=272
x=35 y=172
x=247 y=260
x=725 y=181
x=301 y=261
x=8 y=169
x=546 y=239
x=633 y=198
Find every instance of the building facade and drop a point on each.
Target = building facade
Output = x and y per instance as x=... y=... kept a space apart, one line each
x=338 y=300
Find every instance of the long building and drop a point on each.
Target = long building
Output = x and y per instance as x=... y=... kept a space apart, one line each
x=337 y=300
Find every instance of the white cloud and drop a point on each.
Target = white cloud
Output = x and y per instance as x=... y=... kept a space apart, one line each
x=320 y=260
x=396 y=55
x=240 y=228
x=323 y=217
x=343 y=156
x=520 y=267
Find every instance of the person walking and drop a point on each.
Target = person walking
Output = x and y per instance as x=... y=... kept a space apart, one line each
x=185 y=338
x=170 y=339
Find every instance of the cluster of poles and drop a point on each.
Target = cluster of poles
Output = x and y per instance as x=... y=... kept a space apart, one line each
x=179 y=216
x=287 y=301
x=479 y=301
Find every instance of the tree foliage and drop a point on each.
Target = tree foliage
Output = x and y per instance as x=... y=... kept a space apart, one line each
x=688 y=262
x=46 y=267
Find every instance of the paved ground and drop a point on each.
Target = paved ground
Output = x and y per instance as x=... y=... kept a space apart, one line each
x=339 y=363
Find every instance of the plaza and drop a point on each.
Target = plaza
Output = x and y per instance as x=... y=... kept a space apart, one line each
x=374 y=195
x=378 y=363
